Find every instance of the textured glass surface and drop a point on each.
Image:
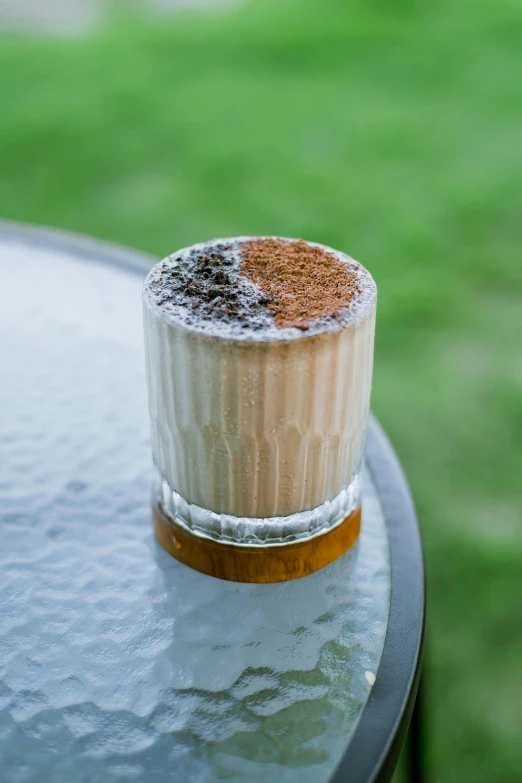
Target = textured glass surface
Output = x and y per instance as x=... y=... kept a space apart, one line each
x=117 y=663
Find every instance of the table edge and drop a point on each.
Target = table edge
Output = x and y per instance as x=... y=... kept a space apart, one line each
x=375 y=746
x=86 y=247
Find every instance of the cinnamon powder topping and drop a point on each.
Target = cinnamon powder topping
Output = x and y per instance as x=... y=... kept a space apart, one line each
x=300 y=282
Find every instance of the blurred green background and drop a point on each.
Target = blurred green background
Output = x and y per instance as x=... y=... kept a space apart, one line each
x=391 y=131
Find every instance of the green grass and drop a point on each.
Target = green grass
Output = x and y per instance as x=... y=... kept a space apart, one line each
x=392 y=131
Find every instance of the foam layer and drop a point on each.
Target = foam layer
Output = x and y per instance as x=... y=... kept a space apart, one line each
x=215 y=288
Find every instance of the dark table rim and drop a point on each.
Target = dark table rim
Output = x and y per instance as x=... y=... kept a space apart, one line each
x=374 y=748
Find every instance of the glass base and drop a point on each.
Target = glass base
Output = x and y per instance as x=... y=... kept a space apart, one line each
x=261 y=564
x=252 y=531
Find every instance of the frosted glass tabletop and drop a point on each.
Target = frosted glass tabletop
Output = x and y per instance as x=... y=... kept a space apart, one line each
x=117 y=663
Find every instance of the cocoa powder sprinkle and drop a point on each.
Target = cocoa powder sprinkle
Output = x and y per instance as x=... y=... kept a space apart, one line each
x=300 y=282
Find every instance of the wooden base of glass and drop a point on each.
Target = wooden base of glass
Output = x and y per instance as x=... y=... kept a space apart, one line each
x=263 y=564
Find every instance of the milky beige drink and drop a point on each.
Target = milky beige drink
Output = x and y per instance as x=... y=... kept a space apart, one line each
x=259 y=365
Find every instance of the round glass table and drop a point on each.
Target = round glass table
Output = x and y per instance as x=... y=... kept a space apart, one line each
x=118 y=663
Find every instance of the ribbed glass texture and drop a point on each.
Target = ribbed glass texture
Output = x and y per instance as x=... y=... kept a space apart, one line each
x=260 y=440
